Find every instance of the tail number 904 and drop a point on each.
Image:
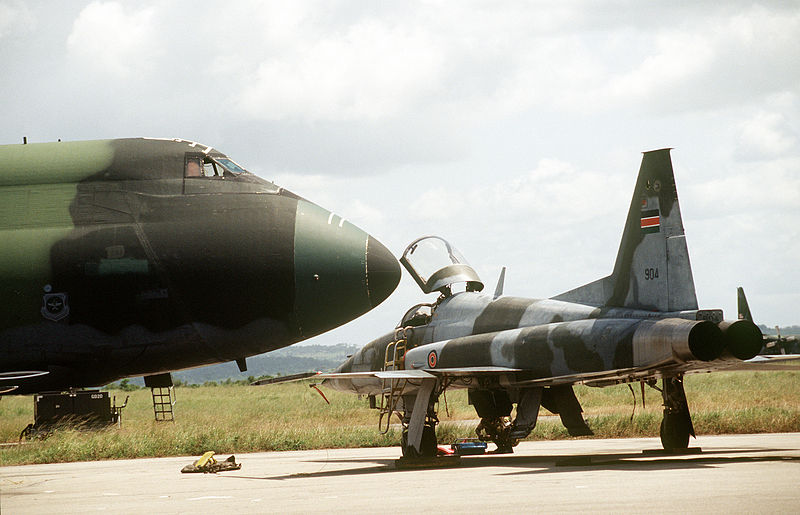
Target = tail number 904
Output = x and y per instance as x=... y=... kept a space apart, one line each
x=650 y=274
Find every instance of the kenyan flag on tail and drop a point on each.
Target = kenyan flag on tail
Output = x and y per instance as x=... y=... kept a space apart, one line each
x=651 y=222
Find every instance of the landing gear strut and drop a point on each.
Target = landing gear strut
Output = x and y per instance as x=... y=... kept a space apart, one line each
x=494 y=408
x=419 y=423
x=676 y=426
x=427 y=446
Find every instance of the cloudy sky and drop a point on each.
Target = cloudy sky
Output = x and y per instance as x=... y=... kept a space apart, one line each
x=514 y=130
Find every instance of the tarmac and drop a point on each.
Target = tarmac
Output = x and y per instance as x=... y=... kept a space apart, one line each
x=732 y=474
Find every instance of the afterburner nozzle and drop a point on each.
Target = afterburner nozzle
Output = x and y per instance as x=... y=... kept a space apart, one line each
x=743 y=339
x=657 y=341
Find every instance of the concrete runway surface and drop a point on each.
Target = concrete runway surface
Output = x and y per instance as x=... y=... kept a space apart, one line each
x=738 y=473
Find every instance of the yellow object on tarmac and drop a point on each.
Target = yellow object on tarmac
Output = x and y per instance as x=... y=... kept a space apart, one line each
x=208 y=465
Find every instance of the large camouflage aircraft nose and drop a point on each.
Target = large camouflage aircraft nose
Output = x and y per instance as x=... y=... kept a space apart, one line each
x=383 y=271
x=341 y=272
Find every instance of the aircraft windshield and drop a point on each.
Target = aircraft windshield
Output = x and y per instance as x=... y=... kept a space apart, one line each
x=199 y=165
x=435 y=265
x=429 y=255
x=230 y=165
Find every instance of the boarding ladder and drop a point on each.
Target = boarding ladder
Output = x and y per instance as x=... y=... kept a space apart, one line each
x=392 y=388
x=163 y=401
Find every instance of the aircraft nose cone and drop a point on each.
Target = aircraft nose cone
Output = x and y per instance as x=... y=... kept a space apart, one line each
x=383 y=271
x=341 y=272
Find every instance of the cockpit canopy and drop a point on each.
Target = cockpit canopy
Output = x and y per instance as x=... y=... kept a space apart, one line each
x=436 y=265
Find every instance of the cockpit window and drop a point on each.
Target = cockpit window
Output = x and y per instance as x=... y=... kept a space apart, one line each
x=209 y=170
x=230 y=165
x=201 y=165
x=194 y=167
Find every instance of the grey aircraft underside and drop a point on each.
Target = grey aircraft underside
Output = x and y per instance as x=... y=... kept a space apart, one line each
x=641 y=323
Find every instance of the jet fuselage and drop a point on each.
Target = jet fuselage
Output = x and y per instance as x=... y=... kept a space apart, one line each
x=140 y=256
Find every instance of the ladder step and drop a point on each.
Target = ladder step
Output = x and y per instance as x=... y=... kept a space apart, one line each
x=162 y=403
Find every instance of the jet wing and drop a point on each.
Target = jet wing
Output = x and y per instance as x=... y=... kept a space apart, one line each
x=380 y=374
x=471 y=371
x=420 y=373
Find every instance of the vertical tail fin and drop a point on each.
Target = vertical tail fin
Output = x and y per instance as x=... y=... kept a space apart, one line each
x=652 y=270
x=743 y=307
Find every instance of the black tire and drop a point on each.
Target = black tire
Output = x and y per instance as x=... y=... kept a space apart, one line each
x=428 y=446
x=674 y=432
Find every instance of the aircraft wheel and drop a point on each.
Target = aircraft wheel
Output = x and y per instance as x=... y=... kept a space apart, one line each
x=674 y=431
x=428 y=446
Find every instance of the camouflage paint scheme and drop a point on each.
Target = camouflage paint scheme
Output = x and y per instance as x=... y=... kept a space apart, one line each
x=641 y=323
x=140 y=256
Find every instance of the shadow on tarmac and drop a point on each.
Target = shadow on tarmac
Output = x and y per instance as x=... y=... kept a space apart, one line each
x=552 y=463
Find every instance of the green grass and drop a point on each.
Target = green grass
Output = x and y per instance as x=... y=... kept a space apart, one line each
x=236 y=419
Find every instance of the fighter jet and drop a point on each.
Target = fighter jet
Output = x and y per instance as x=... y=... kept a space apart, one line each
x=773 y=344
x=639 y=324
x=133 y=257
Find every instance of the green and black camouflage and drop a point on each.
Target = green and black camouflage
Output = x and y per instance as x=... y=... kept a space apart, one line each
x=141 y=256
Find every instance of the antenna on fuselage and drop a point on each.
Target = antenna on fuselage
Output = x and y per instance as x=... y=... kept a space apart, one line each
x=498 y=290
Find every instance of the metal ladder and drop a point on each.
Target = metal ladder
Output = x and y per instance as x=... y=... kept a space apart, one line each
x=392 y=388
x=163 y=401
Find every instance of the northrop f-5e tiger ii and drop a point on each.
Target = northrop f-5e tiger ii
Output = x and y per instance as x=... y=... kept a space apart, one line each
x=141 y=256
x=639 y=324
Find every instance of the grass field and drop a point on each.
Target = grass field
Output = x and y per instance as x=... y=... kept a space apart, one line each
x=236 y=419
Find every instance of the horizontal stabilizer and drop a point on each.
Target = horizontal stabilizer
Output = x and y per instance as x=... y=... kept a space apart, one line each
x=769 y=362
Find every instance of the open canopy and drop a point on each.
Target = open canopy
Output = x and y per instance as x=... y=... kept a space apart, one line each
x=436 y=265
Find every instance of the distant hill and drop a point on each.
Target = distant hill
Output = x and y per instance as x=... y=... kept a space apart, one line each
x=289 y=360
x=785 y=331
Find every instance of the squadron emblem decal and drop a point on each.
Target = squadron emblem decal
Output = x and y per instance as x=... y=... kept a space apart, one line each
x=432 y=359
x=55 y=306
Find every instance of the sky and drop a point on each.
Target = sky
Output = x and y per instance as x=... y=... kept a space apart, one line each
x=512 y=129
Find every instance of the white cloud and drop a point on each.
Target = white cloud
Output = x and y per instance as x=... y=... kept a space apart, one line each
x=712 y=59
x=15 y=18
x=749 y=189
x=512 y=129
x=766 y=135
x=368 y=71
x=113 y=39
x=539 y=196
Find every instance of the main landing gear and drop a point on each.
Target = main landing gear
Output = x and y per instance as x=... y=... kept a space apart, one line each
x=494 y=407
x=676 y=426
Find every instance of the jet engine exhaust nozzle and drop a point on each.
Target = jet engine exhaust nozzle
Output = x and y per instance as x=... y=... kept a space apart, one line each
x=743 y=339
x=705 y=341
x=674 y=339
